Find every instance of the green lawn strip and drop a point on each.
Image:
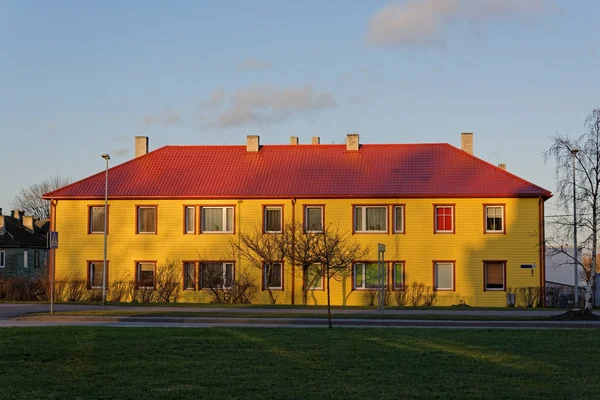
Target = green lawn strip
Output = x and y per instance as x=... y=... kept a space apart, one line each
x=245 y=363
x=283 y=314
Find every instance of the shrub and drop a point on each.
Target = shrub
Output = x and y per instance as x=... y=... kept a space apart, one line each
x=401 y=297
x=242 y=291
x=168 y=281
x=118 y=290
x=553 y=296
x=430 y=296
x=528 y=296
x=369 y=298
x=416 y=293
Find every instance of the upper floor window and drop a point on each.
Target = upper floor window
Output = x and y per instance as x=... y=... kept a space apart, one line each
x=190 y=220
x=145 y=274
x=444 y=219
x=96 y=219
x=273 y=219
x=399 y=219
x=273 y=275
x=217 y=219
x=370 y=219
x=313 y=219
x=495 y=275
x=216 y=275
x=26 y=259
x=443 y=276
x=366 y=275
x=146 y=219
x=494 y=219
x=2 y=259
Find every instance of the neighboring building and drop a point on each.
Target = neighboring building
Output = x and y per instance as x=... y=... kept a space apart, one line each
x=450 y=220
x=560 y=270
x=23 y=247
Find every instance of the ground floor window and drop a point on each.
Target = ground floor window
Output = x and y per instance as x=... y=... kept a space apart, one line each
x=189 y=275
x=216 y=275
x=443 y=276
x=273 y=276
x=95 y=272
x=145 y=274
x=494 y=273
x=366 y=275
x=398 y=276
x=36 y=259
x=315 y=277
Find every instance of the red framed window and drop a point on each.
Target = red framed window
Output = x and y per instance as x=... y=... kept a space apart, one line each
x=444 y=218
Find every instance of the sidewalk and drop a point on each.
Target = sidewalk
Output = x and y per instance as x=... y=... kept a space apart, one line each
x=46 y=320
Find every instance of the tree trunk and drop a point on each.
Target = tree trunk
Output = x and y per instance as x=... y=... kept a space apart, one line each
x=304 y=286
x=328 y=301
x=589 y=290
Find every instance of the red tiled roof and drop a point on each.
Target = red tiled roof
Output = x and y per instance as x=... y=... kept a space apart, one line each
x=309 y=171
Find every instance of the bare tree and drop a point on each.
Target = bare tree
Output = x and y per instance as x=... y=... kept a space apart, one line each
x=335 y=251
x=30 y=200
x=265 y=252
x=587 y=188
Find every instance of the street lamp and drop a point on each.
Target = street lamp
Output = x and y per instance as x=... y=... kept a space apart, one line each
x=106 y=157
x=574 y=152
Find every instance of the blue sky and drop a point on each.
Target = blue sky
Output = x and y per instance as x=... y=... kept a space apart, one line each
x=80 y=78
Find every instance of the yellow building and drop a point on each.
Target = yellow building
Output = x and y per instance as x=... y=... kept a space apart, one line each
x=468 y=230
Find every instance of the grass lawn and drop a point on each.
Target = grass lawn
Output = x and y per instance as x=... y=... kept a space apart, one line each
x=244 y=363
x=290 y=314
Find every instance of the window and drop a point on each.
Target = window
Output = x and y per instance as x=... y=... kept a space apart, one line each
x=370 y=219
x=189 y=276
x=146 y=222
x=95 y=271
x=399 y=219
x=444 y=219
x=494 y=275
x=273 y=276
x=145 y=274
x=315 y=277
x=96 y=219
x=190 y=219
x=36 y=259
x=273 y=219
x=2 y=259
x=366 y=275
x=216 y=275
x=444 y=276
x=494 y=219
x=313 y=219
x=26 y=259
x=398 y=276
x=217 y=219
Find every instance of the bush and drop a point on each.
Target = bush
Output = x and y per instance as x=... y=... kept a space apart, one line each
x=416 y=293
x=168 y=281
x=553 y=296
x=371 y=298
x=430 y=296
x=19 y=288
x=528 y=296
x=118 y=290
x=401 y=297
x=242 y=292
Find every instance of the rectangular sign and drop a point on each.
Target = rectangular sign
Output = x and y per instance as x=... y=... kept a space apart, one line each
x=53 y=240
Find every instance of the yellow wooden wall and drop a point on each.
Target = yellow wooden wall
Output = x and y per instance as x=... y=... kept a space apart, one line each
x=418 y=247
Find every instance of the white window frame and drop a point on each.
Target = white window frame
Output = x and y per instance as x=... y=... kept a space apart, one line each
x=485 y=265
x=437 y=229
x=36 y=259
x=364 y=276
x=435 y=277
x=224 y=266
x=265 y=224
x=306 y=227
x=139 y=271
x=139 y=220
x=394 y=272
x=26 y=259
x=501 y=230
x=101 y=265
x=265 y=277
x=2 y=259
x=223 y=219
x=396 y=230
x=193 y=227
x=91 y=219
x=318 y=269
x=363 y=216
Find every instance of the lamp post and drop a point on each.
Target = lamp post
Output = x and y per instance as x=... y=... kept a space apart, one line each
x=106 y=157
x=574 y=152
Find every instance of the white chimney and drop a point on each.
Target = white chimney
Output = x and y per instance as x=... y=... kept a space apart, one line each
x=294 y=140
x=352 y=142
x=252 y=143
x=316 y=140
x=466 y=142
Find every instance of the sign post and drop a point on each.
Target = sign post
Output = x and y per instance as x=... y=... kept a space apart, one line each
x=52 y=245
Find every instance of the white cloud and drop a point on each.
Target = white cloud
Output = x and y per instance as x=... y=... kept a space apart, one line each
x=268 y=105
x=425 y=22
x=253 y=64
x=164 y=118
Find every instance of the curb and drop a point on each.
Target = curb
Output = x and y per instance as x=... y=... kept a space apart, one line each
x=319 y=322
